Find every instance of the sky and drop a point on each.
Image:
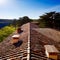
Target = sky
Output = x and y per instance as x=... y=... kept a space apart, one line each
x=13 y=9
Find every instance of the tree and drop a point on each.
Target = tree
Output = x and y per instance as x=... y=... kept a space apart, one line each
x=23 y=20
x=51 y=19
x=19 y=22
x=14 y=23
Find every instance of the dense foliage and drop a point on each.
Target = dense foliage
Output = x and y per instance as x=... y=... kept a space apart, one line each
x=6 y=31
x=51 y=19
x=21 y=21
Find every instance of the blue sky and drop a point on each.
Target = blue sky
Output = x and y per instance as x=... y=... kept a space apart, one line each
x=10 y=9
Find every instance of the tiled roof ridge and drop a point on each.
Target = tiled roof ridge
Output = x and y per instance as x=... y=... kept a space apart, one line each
x=33 y=38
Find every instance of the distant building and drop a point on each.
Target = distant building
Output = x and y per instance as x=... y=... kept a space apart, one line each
x=51 y=51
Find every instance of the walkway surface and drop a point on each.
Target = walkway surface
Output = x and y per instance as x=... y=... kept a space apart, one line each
x=33 y=40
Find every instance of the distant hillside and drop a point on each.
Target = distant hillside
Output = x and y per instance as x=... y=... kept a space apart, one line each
x=5 y=22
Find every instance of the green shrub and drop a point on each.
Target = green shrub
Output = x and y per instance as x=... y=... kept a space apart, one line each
x=6 y=31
